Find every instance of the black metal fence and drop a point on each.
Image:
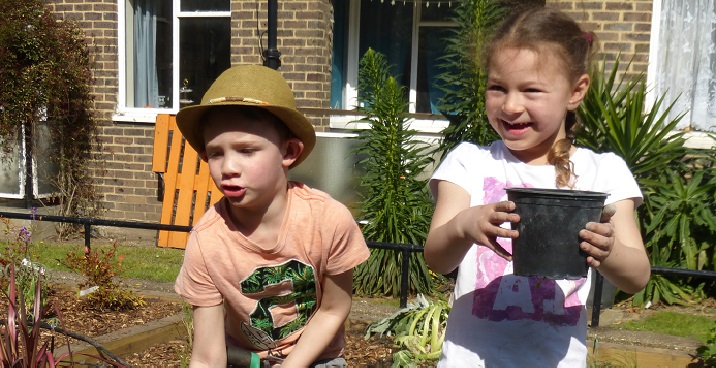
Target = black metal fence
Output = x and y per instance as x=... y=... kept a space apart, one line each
x=405 y=249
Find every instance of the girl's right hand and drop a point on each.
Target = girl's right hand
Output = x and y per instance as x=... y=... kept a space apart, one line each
x=484 y=225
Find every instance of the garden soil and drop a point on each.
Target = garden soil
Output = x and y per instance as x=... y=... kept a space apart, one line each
x=374 y=352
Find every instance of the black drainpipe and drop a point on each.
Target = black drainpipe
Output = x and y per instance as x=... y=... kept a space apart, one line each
x=272 y=57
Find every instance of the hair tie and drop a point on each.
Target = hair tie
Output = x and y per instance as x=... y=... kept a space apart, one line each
x=589 y=38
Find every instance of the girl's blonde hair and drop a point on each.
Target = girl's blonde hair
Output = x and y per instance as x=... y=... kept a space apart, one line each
x=541 y=29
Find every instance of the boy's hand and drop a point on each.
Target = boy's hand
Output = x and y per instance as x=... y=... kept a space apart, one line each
x=485 y=221
x=599 y=237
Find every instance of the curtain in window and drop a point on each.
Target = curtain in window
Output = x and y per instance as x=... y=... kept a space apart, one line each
x=146 y=85
x=686 y=61
x=388 y=29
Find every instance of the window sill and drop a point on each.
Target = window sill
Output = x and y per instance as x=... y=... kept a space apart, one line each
x=147 y=115
x=350 y=120
x=699 y=140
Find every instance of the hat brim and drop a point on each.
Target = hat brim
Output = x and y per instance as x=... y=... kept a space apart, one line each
x=189 y=120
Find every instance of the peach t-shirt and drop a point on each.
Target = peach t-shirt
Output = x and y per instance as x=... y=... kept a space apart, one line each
x=270 y=295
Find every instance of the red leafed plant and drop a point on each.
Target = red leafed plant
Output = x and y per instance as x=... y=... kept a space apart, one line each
x=20 y=339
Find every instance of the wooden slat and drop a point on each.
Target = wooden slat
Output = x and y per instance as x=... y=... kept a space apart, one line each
x=161 y=139
x=203 y=185
x=186 y=187
x=170 y=182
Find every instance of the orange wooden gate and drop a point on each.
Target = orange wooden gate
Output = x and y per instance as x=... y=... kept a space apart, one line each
x=188 y=190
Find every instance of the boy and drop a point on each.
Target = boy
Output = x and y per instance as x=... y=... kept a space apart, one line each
x=267 y=269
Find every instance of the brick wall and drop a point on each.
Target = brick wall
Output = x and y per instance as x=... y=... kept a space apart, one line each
x=304 y=40
x=124 y=175
x=621 y=27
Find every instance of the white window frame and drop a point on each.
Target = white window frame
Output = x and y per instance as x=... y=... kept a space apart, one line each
x=435 y=125
x=148 y=115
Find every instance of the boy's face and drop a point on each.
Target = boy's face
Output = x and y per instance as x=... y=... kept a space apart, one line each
x=247 y=158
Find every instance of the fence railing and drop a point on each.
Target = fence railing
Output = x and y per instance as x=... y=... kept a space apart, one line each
x=405 y=250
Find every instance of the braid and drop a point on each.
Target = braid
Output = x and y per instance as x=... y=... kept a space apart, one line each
x=559 y=155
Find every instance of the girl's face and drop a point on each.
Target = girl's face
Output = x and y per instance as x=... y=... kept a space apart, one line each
x=247 y=159
x=528 y=95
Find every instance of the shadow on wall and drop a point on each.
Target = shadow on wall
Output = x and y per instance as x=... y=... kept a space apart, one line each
x=333 y=168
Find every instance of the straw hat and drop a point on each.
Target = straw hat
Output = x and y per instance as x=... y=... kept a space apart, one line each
x=248 y=85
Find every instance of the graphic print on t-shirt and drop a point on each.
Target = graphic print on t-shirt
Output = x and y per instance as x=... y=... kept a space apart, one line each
x=263 y=330
x=500 y=295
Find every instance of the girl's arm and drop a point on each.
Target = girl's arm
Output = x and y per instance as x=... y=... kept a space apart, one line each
x=456 y=226
x=617 y=250
x=326 y=322
x=209 y=344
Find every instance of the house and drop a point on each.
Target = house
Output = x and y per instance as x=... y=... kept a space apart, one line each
x=154 y=56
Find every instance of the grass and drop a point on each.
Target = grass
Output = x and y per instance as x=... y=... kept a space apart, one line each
x=147 y=263
x=676 y=324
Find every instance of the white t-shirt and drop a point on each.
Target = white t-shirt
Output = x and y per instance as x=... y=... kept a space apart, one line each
x=502 y=320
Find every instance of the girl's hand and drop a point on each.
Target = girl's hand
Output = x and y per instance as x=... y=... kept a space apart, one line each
x=485 y=225
x=599 y=237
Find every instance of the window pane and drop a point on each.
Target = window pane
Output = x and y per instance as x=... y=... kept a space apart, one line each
x=433 y=13
x=203 y=54
x=205 y=5
x=387 y=29
x=340 y=42
x=149 y=53
x=431 y=46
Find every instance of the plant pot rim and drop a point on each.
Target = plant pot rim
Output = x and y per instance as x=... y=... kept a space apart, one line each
x=565 y=193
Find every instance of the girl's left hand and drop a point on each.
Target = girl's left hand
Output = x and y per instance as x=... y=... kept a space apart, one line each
x=598 y=238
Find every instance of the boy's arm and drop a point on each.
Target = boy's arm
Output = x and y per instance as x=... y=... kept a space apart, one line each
x=209 y=345
x=325 y=324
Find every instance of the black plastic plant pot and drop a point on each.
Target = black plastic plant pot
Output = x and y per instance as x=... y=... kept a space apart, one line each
x=550 y=221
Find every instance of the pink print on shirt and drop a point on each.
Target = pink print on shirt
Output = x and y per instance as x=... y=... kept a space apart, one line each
x=500 y=295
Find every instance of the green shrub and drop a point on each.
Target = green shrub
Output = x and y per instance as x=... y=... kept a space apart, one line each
x=678 y=217
x=396 y=207
x=99 y=289
x=46 y=75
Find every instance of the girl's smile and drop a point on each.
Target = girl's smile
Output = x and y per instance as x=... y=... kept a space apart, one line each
x=528 y=95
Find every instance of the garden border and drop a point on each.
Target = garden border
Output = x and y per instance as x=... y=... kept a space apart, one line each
x=405 y=249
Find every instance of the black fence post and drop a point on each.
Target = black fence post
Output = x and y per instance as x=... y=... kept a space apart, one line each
x=404 y=278
x=597 y=298
x=88 y=237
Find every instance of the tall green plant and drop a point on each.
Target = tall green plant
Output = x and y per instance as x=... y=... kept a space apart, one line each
x=396 y=207
x=45 y=79
x=464 y=79
x=678 y=217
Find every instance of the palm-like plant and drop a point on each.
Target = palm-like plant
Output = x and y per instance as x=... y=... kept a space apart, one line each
x=615 y=118
x=396 y=208
x=678 y=217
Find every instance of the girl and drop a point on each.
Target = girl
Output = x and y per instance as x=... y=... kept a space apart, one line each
x=537 y=76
